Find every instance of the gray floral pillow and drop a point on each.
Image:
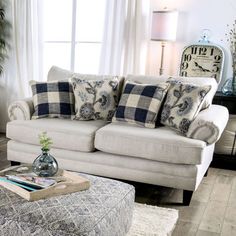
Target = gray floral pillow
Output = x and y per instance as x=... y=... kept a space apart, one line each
x=95 y=99
x=183 y=103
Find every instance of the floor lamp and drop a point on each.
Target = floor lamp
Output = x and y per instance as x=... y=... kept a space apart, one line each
x=164 y=27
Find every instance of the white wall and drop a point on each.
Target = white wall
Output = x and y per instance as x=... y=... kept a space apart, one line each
x=194 y=16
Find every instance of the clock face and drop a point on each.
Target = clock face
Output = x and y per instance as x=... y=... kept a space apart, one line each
x=202 y=61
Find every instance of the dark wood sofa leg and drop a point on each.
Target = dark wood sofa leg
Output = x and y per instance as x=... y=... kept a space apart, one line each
x=205 y=175
x=187 y=195
x=15 y=163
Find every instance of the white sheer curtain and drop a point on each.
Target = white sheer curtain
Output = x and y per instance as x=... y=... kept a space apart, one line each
x=25 y=59
x=27 y=44
x=126 y=35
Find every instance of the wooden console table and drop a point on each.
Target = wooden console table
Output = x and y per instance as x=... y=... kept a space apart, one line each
x=220 y=160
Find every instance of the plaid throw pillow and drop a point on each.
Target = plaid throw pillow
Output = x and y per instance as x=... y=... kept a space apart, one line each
x=140 y=103
x=52 y=99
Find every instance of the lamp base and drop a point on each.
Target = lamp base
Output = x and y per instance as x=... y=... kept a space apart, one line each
x=162 y=57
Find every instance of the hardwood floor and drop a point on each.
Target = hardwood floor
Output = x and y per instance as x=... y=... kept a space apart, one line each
x=212 y=210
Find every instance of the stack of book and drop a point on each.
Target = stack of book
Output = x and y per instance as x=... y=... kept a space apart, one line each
x=24 y=182
x=29 y=181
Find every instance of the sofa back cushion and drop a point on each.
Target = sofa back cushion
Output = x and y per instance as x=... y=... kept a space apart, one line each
x=58 y=74
x=146 y=79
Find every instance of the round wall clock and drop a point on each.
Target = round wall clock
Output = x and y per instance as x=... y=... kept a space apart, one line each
x=202 y=60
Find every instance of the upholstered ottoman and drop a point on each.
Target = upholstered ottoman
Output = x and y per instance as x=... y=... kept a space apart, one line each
x=105 y=209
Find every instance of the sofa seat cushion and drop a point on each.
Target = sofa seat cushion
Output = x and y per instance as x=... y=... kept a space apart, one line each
x=65 y=134
x=160 y=144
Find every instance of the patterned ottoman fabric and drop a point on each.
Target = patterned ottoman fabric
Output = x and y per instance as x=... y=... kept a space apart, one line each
x=105 y=209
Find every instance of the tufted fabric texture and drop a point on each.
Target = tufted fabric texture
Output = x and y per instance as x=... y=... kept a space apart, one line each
x=105 y=209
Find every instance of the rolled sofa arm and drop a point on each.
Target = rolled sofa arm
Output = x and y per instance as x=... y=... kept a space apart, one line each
x=209 y=124
x=21 y=109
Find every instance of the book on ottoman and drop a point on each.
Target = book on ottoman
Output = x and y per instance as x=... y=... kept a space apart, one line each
x=21 y=180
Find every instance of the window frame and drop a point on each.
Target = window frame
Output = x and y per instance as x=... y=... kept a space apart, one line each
x=73 y=42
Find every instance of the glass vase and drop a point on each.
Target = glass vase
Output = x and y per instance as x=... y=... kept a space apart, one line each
x=227 y=88
x=45 y=165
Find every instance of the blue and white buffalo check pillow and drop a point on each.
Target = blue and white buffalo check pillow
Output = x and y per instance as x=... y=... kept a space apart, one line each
x=140 y=103
x=52 y=99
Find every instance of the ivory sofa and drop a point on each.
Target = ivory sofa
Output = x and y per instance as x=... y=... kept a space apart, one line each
x=160 y=156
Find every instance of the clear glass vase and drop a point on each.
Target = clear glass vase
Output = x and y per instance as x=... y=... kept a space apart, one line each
x=45 y=165
x=227 y=88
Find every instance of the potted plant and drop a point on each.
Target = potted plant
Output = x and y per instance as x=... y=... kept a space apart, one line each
x=229 y=86
x=5 y=27
x=232 y=41
x=45 y=164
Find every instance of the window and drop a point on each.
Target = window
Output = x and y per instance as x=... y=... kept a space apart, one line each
x=72 y=34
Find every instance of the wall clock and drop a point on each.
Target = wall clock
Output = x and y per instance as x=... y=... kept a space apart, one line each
x=202 y=60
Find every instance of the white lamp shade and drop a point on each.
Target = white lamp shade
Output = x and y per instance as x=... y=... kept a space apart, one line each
x=164 y=25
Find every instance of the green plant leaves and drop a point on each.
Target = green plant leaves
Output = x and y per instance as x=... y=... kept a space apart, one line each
x=45 y=141
x=5 y=34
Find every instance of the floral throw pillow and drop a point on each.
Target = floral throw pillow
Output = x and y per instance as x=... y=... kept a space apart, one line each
x=95 y=99
x=183 y=103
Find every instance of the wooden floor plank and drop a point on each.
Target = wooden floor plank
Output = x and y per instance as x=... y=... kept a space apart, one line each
x=228 y=230
x=222 y=188
x=206 y=233
x=185 y=229
x=213 y=217
x=230 y=215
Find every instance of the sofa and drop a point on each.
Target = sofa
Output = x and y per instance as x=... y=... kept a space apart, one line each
x=160 y=156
